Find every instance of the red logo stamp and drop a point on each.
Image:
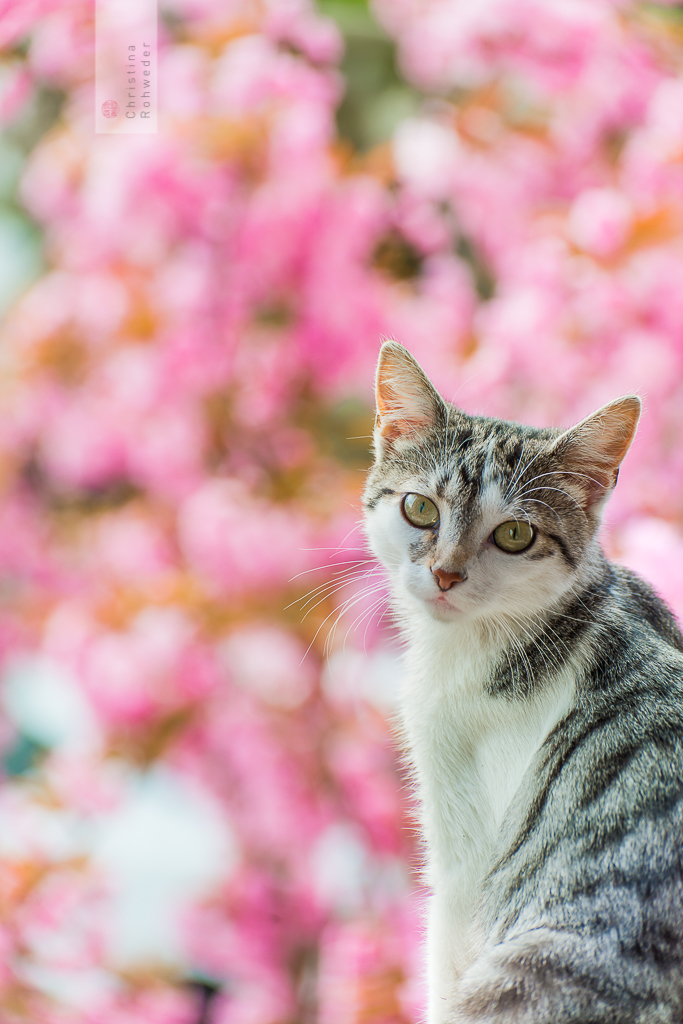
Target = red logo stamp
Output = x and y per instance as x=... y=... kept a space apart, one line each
x=110 y=108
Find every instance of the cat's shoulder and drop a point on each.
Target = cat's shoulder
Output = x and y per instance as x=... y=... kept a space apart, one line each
x=632 y=680
x=643 y=605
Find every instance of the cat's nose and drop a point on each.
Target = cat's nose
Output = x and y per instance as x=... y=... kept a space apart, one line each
x=445 y=580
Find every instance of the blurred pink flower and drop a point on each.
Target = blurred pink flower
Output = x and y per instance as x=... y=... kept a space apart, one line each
x=654 y=549
x=599 y=220
x=16 y=87
x=155 y=666
x=159 y=1004
x=271 y=663
x=130 y=546
x=238 y=542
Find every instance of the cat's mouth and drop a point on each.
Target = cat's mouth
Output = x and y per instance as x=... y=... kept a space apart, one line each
x=441 y=603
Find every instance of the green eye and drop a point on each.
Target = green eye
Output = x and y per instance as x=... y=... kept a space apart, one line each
x=420 y=511
x=513 y=536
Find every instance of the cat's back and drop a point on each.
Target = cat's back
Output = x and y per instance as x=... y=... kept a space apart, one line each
x=592 y=854
x=617 y=755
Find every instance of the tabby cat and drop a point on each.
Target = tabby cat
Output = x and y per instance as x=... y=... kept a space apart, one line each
x=542 y=709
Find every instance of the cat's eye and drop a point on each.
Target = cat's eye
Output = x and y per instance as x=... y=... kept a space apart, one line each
x=513 y=536
x=420 y=511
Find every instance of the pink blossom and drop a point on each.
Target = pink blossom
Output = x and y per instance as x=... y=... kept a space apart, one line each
x=425 y=154
x=238 y=542
x=271 y=663
x=153 y=667
x=85 y=447
x=363 y=971
x=366 y=774
x=317 y=37
x=15 y=90
x=183 y=73
x=159 y=1004
x=599 y=220
x=252 y=1004
x=654 y=549
x=130 y=546
x=62 y=44
x=252 y=72
x=18 y=17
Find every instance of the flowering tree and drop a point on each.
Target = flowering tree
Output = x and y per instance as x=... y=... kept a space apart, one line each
x=203 y=814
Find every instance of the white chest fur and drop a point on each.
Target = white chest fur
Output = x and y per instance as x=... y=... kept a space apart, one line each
x=470 y=752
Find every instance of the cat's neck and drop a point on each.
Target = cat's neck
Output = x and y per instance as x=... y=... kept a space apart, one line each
x=449 y=657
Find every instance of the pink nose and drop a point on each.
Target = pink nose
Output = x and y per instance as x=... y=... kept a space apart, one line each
x=446 y=580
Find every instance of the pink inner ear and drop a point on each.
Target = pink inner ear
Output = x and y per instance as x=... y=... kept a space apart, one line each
x=406 y=401
x=402 y=418
x=392 y=427
x=597 y=445
x=594 y=482
x=402 y=409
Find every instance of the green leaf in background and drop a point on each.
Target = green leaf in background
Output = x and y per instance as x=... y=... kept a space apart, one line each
x=377 y=99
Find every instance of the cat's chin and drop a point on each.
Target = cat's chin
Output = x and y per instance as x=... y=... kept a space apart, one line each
x=441 y=608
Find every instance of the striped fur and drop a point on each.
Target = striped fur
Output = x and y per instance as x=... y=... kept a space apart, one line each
x=543 y=715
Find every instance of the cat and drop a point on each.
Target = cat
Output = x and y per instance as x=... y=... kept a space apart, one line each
x=541 y=709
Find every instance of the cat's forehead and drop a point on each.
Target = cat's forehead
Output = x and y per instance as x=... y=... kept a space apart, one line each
x=478 y=450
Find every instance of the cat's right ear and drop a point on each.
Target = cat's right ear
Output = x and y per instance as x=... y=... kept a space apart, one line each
x=407 y=403
x=592 y=450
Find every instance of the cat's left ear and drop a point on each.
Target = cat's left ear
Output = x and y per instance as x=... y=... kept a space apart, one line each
x=592 y=450
x=407 y=403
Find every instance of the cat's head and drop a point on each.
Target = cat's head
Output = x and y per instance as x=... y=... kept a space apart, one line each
x=478 y=518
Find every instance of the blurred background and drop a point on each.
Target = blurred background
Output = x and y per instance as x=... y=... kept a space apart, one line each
x=203 y=819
